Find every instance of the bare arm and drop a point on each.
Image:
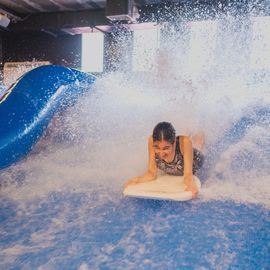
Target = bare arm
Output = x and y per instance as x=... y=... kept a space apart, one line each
x=188 y=156
x=188 y=165
x=151 y=172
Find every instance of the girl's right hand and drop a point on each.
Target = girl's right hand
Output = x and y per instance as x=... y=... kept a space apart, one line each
x=191 y=186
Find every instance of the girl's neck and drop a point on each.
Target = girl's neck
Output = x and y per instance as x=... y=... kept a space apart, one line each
x=172 y=155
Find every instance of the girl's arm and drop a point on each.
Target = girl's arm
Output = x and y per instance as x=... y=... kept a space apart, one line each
x=151 y=173
x=188 y=164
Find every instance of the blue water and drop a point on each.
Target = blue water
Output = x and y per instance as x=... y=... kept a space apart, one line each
x=69 y=231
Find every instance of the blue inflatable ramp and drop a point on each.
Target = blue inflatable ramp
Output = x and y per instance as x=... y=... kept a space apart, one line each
x=27 y=107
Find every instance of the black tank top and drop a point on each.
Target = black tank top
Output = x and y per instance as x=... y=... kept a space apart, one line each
x=176 y=167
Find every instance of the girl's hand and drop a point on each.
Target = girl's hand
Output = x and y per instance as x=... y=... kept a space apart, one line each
x=131 y=182
x=191 y=186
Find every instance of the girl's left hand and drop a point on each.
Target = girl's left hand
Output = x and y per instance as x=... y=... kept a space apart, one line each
x=191 y=186
x=131 y=182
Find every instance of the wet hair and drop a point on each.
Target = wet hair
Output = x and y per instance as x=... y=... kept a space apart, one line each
x=164 y=131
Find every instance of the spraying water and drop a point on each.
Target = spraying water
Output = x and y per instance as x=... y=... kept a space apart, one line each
x=104 y=136
x=93 y=147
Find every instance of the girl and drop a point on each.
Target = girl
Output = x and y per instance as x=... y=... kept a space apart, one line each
x=173 y=155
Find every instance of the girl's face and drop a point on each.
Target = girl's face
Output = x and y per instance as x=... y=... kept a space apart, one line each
x=164 y=149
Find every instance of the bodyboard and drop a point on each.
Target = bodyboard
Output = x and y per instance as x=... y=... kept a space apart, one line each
x=165 y=187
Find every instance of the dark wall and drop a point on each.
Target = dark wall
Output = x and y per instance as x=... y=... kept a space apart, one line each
x=1 y=50
x=62 y=50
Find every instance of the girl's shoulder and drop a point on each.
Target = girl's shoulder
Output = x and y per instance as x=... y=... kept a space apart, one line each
x=183 y=141
x=183 y=137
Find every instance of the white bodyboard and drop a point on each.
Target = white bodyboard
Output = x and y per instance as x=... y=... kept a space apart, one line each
x=166 y=187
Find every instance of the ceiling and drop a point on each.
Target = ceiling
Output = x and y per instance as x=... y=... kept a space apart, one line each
x=66 y=16
x=78 y=16
x=24 y=7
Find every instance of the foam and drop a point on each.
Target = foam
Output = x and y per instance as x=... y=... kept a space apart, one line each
x=102 y=140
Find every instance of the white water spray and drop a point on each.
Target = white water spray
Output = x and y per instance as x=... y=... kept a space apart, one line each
x=102 y=140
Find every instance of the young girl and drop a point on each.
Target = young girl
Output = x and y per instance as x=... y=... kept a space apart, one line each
x=172 y=155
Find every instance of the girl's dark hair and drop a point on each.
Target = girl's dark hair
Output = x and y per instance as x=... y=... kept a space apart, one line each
x=164 y=131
